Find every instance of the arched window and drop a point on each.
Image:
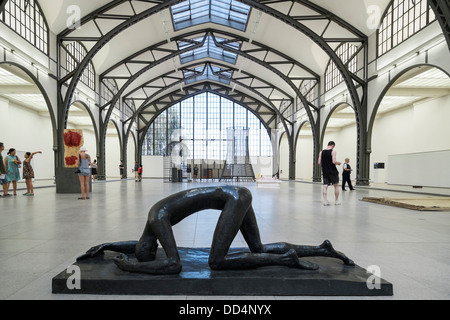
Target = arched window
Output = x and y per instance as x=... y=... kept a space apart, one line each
x=201 y=123
x=402 y=19
x=75 y=53
x=25 y=17
x=347 y=52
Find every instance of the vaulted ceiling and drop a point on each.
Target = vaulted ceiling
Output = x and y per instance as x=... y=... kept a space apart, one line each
x=264 y=54
x=263 y=51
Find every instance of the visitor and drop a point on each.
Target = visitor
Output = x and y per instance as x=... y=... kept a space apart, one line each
x=140 y=173
x=136 y=171
x=3 y=180
x=28 y=173
x=189 y=173
x=121 y=168
x=94 y=170
x=84 y=163
x=12 y=165
x=327 y=159
x=346 y=171
x=195 y=172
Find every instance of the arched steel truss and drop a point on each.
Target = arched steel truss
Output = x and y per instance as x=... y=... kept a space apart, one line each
x=356 y=85
x=152 y=111
x=441 y=9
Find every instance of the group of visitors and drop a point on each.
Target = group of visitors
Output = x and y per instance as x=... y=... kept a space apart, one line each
x=330 y=174
x=137 y=171
x=9 y=171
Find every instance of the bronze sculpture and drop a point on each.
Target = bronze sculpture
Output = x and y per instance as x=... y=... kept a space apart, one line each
x=237 y=214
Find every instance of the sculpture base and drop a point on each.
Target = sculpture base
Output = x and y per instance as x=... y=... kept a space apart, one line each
x=67 y=181
x=101 y=276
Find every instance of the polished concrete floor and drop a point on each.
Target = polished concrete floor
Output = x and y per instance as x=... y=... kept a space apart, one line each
x=41 y=235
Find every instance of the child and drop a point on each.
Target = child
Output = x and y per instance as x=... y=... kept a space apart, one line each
x=28 y=173
x=140 y=173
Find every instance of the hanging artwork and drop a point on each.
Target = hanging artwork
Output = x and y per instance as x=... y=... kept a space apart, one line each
x=73 y=141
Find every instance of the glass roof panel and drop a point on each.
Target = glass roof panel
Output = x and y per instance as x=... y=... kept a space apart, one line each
x=225 y=12
x=209 y=49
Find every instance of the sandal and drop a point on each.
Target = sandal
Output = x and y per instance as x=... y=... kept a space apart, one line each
x=81 y=198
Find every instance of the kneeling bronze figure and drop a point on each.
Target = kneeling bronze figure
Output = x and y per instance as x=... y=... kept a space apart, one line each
x=237 y=214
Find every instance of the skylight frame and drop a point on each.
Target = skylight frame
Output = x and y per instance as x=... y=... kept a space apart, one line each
x=229 y=13
x=209 y=50
x=207 y=72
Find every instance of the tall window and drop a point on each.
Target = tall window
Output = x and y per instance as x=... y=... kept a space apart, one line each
x=75 y=53
x=402 y=19
x=347 y=53
x=26 y=18
x=201 y=124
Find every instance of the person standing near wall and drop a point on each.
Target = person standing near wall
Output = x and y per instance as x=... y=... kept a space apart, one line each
x=136 y=171
x=346 y=171
x=140 y=173
x=3 y=180
x=121 y=168
x=94 y=170
x=84 y=163
x=189 y=173
x=327 y=159
x=28 y=173
x=195 y=172
x=12 y=164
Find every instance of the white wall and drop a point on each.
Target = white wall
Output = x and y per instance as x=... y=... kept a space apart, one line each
x=131 y=158
x=304 y=156
x=284 y=158
x=426 y=169
x=112 y=155
x=152 y=166
x=28 y=131
x=422 y=127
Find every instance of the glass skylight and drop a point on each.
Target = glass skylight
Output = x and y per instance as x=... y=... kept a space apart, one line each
x=225 y=12
x=209 y=50
x=207 y=71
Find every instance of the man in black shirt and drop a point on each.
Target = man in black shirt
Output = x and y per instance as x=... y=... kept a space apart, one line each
x=327 y=159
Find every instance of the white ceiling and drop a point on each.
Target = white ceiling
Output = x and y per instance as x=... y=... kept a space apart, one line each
x=414 y=86
x=261 y=28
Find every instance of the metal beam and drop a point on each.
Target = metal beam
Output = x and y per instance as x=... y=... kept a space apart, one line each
x=441 y=9
x=2 y=5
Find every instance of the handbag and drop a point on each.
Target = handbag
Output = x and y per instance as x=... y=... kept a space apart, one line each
x=78 y=169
